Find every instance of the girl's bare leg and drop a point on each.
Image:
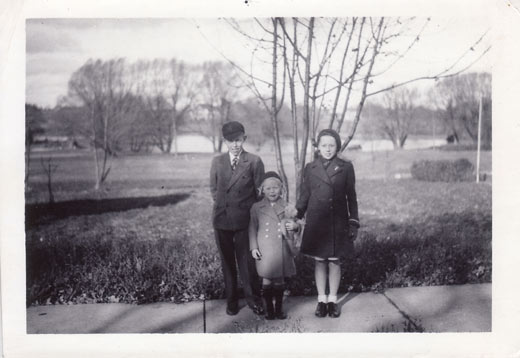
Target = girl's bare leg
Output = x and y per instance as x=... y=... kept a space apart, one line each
x=320 y=275
x=334 y=279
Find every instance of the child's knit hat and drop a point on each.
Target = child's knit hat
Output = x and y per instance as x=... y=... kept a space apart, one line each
x=271 y=174
x=332 y=133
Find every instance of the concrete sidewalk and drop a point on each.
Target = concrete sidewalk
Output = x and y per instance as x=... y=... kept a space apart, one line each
x=465 y=308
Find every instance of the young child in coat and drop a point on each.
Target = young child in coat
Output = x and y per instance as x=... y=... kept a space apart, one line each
x=328 y=198
x=271 y=240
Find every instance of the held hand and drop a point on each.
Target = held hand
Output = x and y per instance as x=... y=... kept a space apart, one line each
x=291 y=226
x=353 y=232
x=256 y=254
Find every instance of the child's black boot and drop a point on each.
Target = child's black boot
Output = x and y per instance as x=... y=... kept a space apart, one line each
x=278 y=301
x=267 y=294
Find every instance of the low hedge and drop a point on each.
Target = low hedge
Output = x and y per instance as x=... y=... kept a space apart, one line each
x=449 y=249
x=443 y=170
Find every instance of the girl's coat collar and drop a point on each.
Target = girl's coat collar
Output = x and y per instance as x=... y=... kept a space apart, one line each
x=275 y=211
x=335 y=167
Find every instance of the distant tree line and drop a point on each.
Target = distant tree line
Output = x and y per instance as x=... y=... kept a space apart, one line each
x=449 y=108
x=116 y=106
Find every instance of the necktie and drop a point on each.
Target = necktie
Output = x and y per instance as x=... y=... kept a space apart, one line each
x=234 y=164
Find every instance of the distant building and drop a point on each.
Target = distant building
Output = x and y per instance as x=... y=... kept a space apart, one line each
x=58 y=142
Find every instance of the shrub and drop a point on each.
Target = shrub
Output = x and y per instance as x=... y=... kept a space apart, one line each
x=443 y=170
x=454 y=248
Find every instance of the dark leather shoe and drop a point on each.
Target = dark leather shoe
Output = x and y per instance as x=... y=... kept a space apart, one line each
x=333 y=310
x=270 y=315
x=232 y=309
x=256 y=308
x=321 y=309
x=281 y=314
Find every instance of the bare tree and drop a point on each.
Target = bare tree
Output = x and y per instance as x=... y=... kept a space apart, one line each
x=400 y=106
x=167 y=88
x=333 y=64
x=180 y=98
x=34 y=125
x=461 y=95
x=215 y=99
x=105 y=90
x=442 y=101
x=49 y=169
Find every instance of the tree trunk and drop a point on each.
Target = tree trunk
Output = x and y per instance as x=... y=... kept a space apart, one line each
x=365 y=85
x=94 y=144
x=305 y=136
x=175 y=138
x=274 y=113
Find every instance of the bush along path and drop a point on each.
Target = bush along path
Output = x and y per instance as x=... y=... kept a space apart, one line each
x=168 y=253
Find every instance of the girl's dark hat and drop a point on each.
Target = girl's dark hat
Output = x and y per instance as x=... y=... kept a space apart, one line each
x=333 y=134
x=271 y=175
x=232 y=130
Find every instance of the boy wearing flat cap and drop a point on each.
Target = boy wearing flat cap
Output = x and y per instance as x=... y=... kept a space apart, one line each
x=234 y=177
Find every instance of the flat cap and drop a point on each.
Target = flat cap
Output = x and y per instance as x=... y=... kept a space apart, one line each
x=232 y=130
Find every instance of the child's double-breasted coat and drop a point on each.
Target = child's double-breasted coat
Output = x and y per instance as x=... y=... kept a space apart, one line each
x=328 y=197
x=265 y=234
x=233 y=193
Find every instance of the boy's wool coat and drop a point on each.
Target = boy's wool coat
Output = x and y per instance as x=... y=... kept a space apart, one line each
x=234 y=192
x=328 y=196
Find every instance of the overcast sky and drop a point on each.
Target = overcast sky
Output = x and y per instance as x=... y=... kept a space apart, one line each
x=58 y=47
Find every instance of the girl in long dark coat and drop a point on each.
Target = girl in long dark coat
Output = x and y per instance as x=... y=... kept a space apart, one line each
x=328 y=197
x=270 y=245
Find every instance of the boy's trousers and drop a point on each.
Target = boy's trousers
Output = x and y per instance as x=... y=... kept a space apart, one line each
x=233 y=247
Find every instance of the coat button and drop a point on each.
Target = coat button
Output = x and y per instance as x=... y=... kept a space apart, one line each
x=267 y=223
x=266 y=229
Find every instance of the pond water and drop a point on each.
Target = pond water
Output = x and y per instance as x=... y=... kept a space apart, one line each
x=199 y=144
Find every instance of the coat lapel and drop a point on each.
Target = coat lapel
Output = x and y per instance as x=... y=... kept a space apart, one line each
x=279 y=208
x=226 y=167
x=319 y=171
x=335 y=167
x=242 y=165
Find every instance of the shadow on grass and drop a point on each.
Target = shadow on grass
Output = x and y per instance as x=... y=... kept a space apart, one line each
x=38 y=213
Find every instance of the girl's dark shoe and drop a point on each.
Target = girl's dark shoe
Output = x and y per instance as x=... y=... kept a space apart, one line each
x=232 y=309
x=321 y=309
x=267 y=294
x=278 y=301
x=256 y=308
x=333 y=310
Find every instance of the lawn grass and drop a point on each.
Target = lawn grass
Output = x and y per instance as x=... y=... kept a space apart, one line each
x=148 y=236
x=156 y=174
x=413 y=233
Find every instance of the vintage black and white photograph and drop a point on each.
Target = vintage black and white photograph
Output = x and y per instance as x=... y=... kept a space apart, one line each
x=258 y=175
x=242 y=175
